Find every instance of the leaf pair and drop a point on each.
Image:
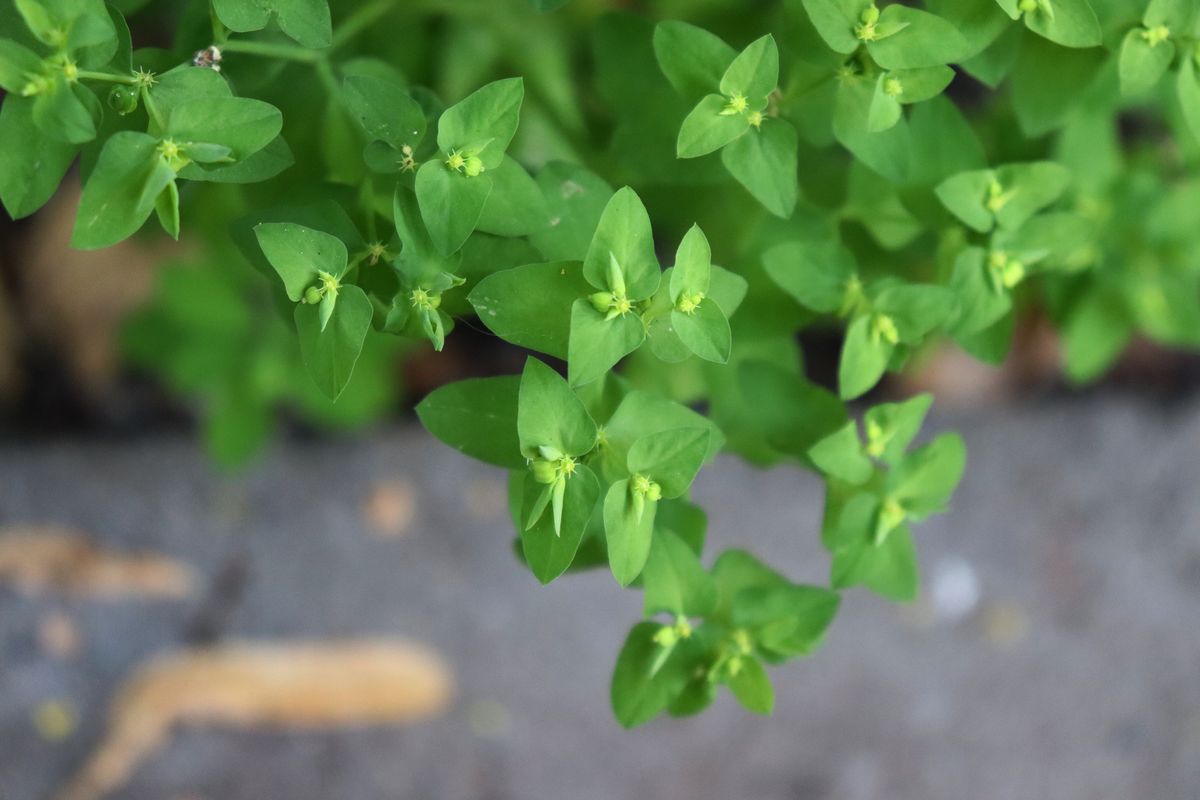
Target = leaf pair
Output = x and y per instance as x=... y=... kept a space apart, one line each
x=757 y=149
x=454 y=186
x=1070 y=23
x=305 y=21
x=885 y=317
x=200 y=128
x=332 y=316
x=867 y=529
x=620 y=265
x=661 y=465
x=897 y=38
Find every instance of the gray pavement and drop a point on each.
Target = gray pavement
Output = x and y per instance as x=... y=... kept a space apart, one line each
x=1056 y=653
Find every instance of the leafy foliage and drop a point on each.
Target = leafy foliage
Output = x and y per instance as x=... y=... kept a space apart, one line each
x=386 y=174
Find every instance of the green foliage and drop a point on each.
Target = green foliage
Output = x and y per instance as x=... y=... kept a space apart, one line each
x=909 y=175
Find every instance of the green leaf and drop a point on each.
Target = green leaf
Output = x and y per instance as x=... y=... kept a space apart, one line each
x=67 y=113
x=258 y=166
x=754 y=73
x=705 y=331
x=886 y=152
x=483 y=123
x=1049 y=82
x=628 y=529
x=477 y=417
x=1073 y=23
x=550 y=415
x=885 y=109
x=1097 y=330
x=119 y=194
x=891 y=427
x=1187 y=89
x=707 y=128
x=764 y=162
x=641 y=413
x=889 y=569
x=330 y=354
x=840 y=455
x=298 y=254
x=515 y=206
x=548 y=552
x=751 y=686
x=17 y=63
x=785 y=619
x=864 y=359
x=531 y=305
x=924 y=481
x=670 y=458
x=916 y=309
x=693 y=59
x=835 y=21
x=965 y=195
x=597 y=343
x=451 y=203
x=305 y=21
x=623 y=235
x=244 y=126
x=921 y=40
x=1141 y=63
x=167 y=209
x=31 y=165
x=980 y=305
x=693 y=264
x=816 y=273
x=674 y=580
x=642 y=686
x=575 y=198
x=384 y=110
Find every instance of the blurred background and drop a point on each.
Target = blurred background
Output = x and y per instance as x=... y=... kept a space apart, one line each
x=216 y=585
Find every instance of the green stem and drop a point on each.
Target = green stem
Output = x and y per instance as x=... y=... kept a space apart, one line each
x=287 y=52
x=108 y=77
x=360 y=19
x=152 y=110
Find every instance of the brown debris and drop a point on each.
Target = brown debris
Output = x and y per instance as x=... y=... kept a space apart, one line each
x=312 y=685
x=58 y=636
x=50 y=558
x=390 y=508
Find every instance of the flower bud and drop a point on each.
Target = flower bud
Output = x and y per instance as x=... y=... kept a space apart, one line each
x=602 y=301
x=123 y=99
x=473 y=166
x=312 y=295
x=544 y=471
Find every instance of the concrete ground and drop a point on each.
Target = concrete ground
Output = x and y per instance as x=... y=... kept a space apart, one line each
x=1056 y=653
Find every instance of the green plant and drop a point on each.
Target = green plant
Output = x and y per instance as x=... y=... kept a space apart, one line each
x=815 y=174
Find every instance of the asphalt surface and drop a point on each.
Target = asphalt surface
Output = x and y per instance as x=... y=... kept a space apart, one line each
x=1056 y=653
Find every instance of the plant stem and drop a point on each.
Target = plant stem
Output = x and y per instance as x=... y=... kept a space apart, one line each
x=286 y=52
x=109 y=77
x=360 y=19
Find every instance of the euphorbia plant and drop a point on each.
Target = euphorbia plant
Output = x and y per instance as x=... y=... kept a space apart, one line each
x=906 y=175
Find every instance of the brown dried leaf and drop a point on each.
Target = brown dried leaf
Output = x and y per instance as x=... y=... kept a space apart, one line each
x=295 y=685
x=49 y=558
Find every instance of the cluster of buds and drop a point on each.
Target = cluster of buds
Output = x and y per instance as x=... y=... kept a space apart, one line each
x=1156 y=35
x=323 y=294
x=407 y=162
x=884 y=327
x=469 y=165
x=737 y=104
x=997 y=198
x=552 y=466
x=173 y=154
x=424 y=300
x=641 y=491
x=689 y=302
x=613 y=303
x=865 y=29
x=893 y=86
x=1005 y=272
x=670 y=635
x=877 y=439
x=891 y=516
